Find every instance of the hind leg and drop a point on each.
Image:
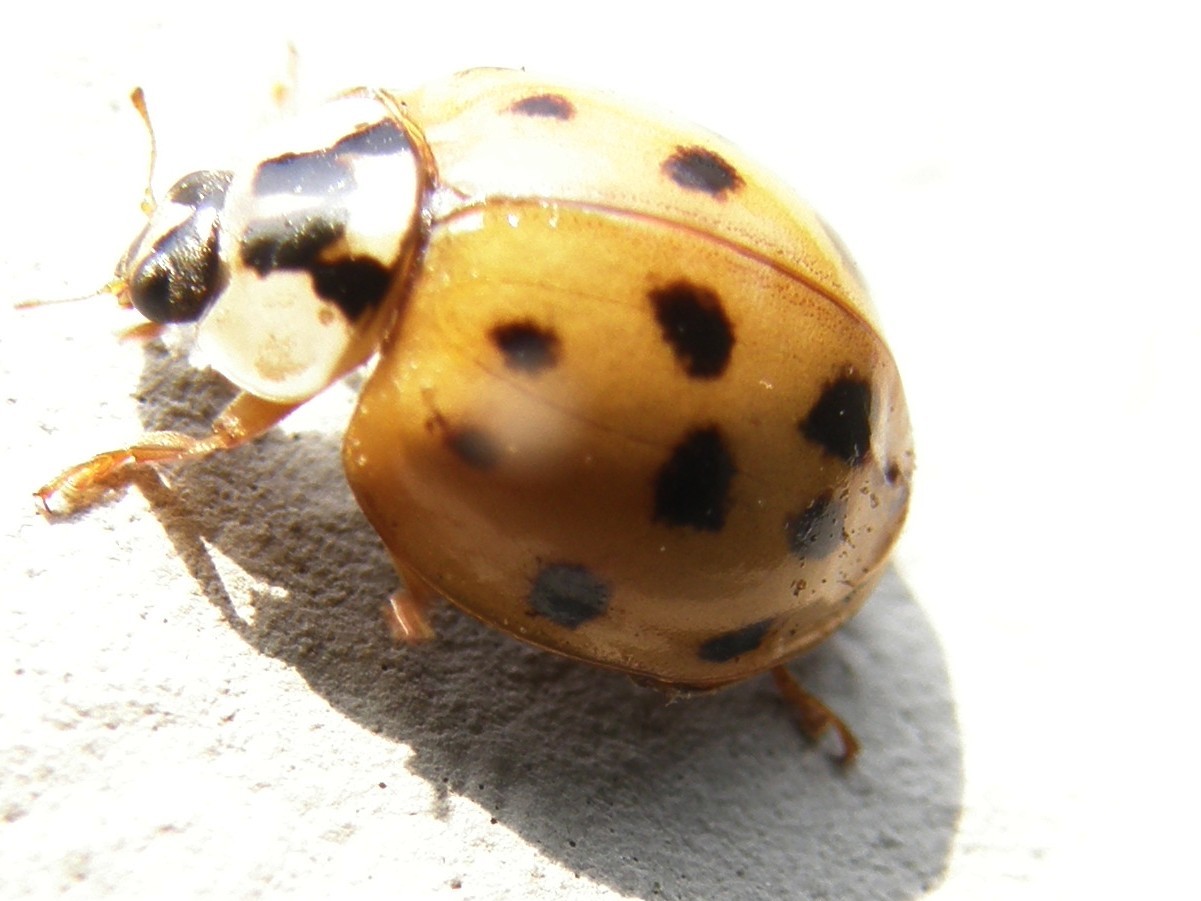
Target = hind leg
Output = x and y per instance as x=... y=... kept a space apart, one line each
x=813 y=716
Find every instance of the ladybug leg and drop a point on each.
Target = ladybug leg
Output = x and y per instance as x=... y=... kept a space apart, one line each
x=246 y=418
x=283 y=92
x=142 y=333
x=407 y=611
x=814 y=716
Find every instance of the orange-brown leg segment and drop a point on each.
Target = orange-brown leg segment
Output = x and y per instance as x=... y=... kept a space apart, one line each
x=283 y=92
x=246 y=418
x=814 y=716
x=142 y=333
x=407 y=612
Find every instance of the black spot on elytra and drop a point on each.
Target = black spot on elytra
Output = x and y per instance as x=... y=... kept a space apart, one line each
x=205 y=188
x=568 y=594
x=473 y=446
x=733 y=644
x=318 y=172
x=897 y=481
x=547 y=106
x=695 y=325
x=840 y=421
x=290 y=241
x=182 y=274
x=354 y=285
x=693 y=487
x=527 y=346
x=698 y=169
x=380 y=139
x=817 y=531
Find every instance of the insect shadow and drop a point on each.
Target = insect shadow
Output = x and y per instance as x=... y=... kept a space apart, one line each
x=652 y=798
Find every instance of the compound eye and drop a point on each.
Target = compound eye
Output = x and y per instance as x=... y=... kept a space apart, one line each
x=182 y=274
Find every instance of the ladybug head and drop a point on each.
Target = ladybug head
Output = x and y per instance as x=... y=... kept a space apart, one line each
x=173 y=271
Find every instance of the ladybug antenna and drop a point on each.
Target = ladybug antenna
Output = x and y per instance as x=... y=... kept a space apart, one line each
x=117 y=287
x=138 y=99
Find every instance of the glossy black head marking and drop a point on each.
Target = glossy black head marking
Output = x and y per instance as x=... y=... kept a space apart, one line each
x=527 y=347
x=568 y=594
x=693 y=487
x=817 y=531
x=328 y=172
x=473 y=446
x=291 y=241
x=197 y=189
x=318 y=172
x=181 y=275
x=296 y=243
x=547 y=106
x=299 y=241
x=380 y=139
x=729 y=645
x=354 y=285
x=698 y=169
x=695 y=325
x=840 y=421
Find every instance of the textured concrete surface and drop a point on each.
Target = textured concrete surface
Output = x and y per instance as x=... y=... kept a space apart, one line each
x=198 y=696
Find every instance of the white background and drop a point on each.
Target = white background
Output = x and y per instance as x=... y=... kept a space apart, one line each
x=197 y=696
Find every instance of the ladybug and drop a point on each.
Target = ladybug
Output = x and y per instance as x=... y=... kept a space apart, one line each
x=630 y=402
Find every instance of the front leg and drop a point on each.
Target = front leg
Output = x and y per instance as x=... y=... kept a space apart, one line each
x=246 y=418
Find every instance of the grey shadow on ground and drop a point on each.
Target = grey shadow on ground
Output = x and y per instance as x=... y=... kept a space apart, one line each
x=648 y=797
